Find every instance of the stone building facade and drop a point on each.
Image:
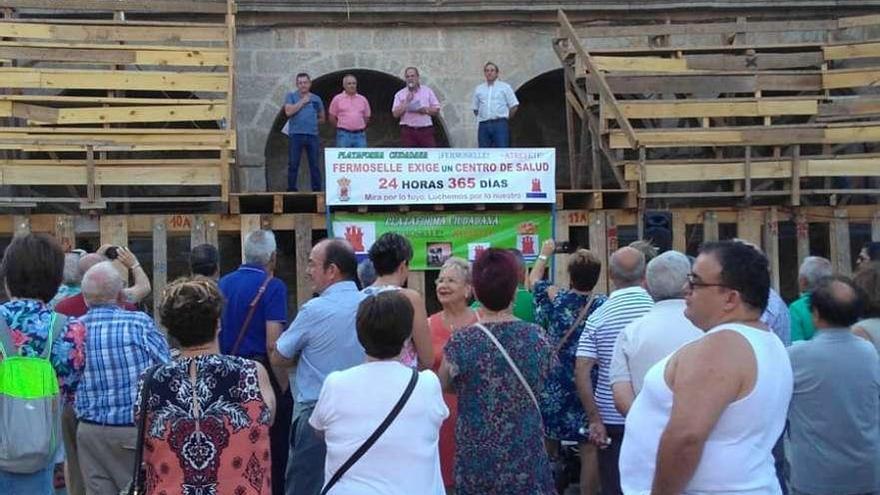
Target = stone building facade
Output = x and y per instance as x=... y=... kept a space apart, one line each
x=449 y=42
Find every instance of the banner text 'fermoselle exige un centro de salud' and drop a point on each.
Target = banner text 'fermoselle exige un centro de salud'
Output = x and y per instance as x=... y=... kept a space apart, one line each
x=383 y=176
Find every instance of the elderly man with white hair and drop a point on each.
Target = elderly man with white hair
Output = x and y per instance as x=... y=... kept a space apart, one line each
x=812 y=270
x=120 y=345
x=654 y=336
x=252 y=320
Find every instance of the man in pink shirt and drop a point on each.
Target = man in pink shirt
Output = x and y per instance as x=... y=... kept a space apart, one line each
x=350 y=114
x=414 y=105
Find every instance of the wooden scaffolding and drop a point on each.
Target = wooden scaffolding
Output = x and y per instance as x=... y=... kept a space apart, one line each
x=115 y=101
x=679 y=119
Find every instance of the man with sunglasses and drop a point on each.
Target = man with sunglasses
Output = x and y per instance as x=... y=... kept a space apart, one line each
x=706 y=420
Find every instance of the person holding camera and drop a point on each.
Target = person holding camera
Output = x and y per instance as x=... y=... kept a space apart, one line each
x=124 y=261
x=564 y=310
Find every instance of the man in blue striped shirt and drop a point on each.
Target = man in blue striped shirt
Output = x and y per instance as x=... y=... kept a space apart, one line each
x=120 y=345
x=628 y=302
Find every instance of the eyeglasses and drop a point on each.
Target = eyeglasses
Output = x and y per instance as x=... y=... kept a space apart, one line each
x=693 y=281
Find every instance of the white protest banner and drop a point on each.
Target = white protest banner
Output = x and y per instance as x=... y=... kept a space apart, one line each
x=383 y=176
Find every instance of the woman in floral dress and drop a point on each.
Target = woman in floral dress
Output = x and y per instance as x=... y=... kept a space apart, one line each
x=559 y=308
x=208 y=415
x=499 y=437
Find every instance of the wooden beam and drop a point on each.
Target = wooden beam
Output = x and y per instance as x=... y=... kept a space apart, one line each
x=416 y=282
x=748 y=225
x=796 y=175
x=850 y=78
x=710 y=226
x=747 y=174
x=624 y=84
x=852 y=50
x=634 y=64
x=181 y=58
x=65 y=232
x=679 y=232
x=249 y=223
x=107 y=100
x=841 y=261
x=560 y=261
x=14 y=77
x=598 y=78
x=212 y=227
x=302 y=226
x=771 y=245
x=160 y=262
x=701 y=170
x=197 y=231
x=736 y=107
x=780 y=135
x=875 y=227
x=110 y=31
x=49 y=175
x=163 y=113
x=599 y=247
x=21 y=225
x=114 y=230
x=152 y=7
x=31 y=112
x=802 y=235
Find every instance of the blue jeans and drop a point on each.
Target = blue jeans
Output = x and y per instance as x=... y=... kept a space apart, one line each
x=296 y=144
x=493 y=134
x=39 y=483
x=348 y=139
x=305 y=463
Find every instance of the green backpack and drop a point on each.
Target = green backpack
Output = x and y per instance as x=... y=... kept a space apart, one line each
x=30 y=404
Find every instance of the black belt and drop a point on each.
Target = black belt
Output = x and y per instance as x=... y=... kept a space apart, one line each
x=413 y=127
x=352 y=132
x=98 y=423
x=493 y=120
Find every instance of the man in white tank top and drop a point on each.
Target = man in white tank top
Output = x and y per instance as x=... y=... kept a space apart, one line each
x=709 y=414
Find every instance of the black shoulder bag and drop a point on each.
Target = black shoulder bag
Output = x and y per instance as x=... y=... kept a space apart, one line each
x=376 y=434
x=136 y=487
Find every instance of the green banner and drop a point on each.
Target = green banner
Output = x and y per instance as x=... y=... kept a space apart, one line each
x=435 y=236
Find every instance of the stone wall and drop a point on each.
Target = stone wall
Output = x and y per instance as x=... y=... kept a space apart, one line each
x=450 y=61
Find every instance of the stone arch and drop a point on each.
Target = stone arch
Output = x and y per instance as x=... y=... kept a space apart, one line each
x=540 y=120
x=379 y=89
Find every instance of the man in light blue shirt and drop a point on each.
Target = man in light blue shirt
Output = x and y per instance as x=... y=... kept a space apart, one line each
x=494 y=104
x=321 y=339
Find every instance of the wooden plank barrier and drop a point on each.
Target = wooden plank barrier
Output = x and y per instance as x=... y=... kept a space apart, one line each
x=164 y=92
x=759 y=224
x=739 y=119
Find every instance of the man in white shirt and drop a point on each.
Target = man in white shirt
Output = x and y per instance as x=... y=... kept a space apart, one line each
x=706 y=420
x=654 y=336
x=494 y=104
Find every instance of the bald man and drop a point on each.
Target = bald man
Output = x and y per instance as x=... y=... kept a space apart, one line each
x=628 y=302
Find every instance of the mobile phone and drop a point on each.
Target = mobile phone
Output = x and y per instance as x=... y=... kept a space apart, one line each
x=565 y=247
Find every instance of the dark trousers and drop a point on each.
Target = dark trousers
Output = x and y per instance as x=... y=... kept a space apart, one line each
x=493 y=134
x=417 y=137
x=279 y=432
x=305 y=467
x=609 y=473
x=296 y=144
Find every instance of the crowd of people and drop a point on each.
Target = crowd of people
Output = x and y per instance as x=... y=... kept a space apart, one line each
x=686 y=378
x=414 y=106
